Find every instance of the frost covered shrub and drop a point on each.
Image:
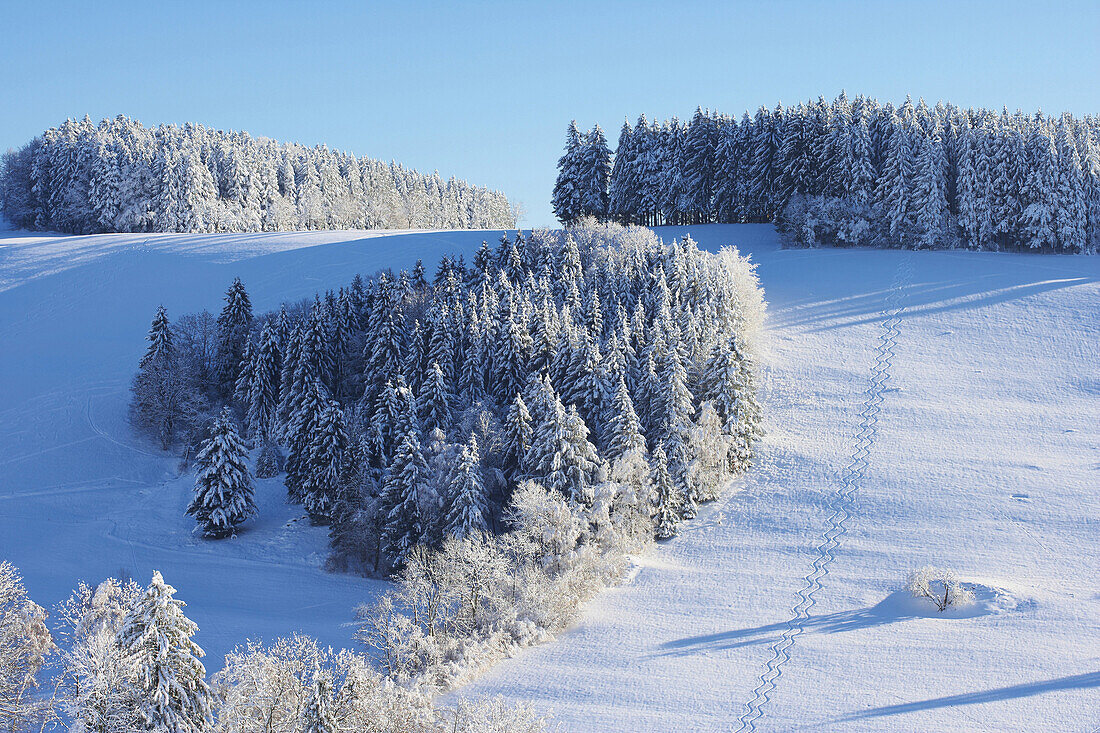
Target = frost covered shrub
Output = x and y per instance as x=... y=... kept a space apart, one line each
x=939 y=586
x=464 y=606
x=815 y=221
x=272 y=690
x=25 y=643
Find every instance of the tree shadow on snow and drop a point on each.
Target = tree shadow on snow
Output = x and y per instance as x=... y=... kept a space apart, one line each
x=1027 y=689
x=920 y=299
x=893 y=608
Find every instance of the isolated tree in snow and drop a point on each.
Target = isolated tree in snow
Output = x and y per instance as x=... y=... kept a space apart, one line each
x=170 y=680
x=223 y=487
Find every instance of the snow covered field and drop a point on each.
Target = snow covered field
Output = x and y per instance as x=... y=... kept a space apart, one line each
x=82 y=498
x=978 y=430
x=984 y=459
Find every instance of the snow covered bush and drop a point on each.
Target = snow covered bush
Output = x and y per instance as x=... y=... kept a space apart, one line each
x=128 y=663
x=939 y=586
x=814 y=221
x=294 y=684
x=25 y=644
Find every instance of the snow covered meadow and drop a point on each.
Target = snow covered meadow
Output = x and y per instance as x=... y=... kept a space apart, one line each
x=959 y=429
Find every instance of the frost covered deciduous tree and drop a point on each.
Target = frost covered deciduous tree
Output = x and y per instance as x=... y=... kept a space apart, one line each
x=25 y=644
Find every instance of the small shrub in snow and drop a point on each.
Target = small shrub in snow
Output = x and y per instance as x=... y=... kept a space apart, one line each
x=939 y=586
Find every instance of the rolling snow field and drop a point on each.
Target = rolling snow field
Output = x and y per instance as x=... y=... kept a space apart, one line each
x=921 y=407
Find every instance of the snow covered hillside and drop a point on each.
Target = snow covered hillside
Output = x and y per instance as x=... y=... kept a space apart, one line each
x=963 y=433
x=82 y=498
x=981 y=456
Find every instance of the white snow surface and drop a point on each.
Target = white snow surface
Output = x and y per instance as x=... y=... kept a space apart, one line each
x=982 y=454
x=984 y=459
x=83 y=498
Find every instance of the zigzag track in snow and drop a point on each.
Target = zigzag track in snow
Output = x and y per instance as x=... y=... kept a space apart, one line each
x=840 y=503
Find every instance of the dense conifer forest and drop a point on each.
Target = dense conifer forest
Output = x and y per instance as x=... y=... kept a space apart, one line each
x=853 y=171
x=500 y=436
x=119 y=176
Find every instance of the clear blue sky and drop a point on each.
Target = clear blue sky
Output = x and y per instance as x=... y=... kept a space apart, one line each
x=484 y=90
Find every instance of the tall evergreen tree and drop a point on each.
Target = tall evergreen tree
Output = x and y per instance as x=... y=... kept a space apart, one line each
x=155 y=637
x=234 y=327
x=321 y=484
x=468 y=508
x=568 y=189
x=164 y=397
x=408 y=501
x=667 y=498
x=223 y=486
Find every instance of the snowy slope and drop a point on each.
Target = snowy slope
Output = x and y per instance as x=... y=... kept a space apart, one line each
x=82 y=498
x=981 y=455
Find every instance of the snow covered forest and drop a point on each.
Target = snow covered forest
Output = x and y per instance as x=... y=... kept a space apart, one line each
x=119 y=176
x=502 y=435
x=853 y=171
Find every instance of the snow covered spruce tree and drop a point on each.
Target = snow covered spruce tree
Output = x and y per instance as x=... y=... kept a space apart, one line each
x=119 y=176
x=165 y=401
x=468 y=506
x=234 y=330
x=223 y=486
x=855 y=172
x=169 y=680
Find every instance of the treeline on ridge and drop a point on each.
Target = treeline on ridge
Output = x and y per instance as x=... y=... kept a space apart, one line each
x=119 y=176
x=853 y=171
